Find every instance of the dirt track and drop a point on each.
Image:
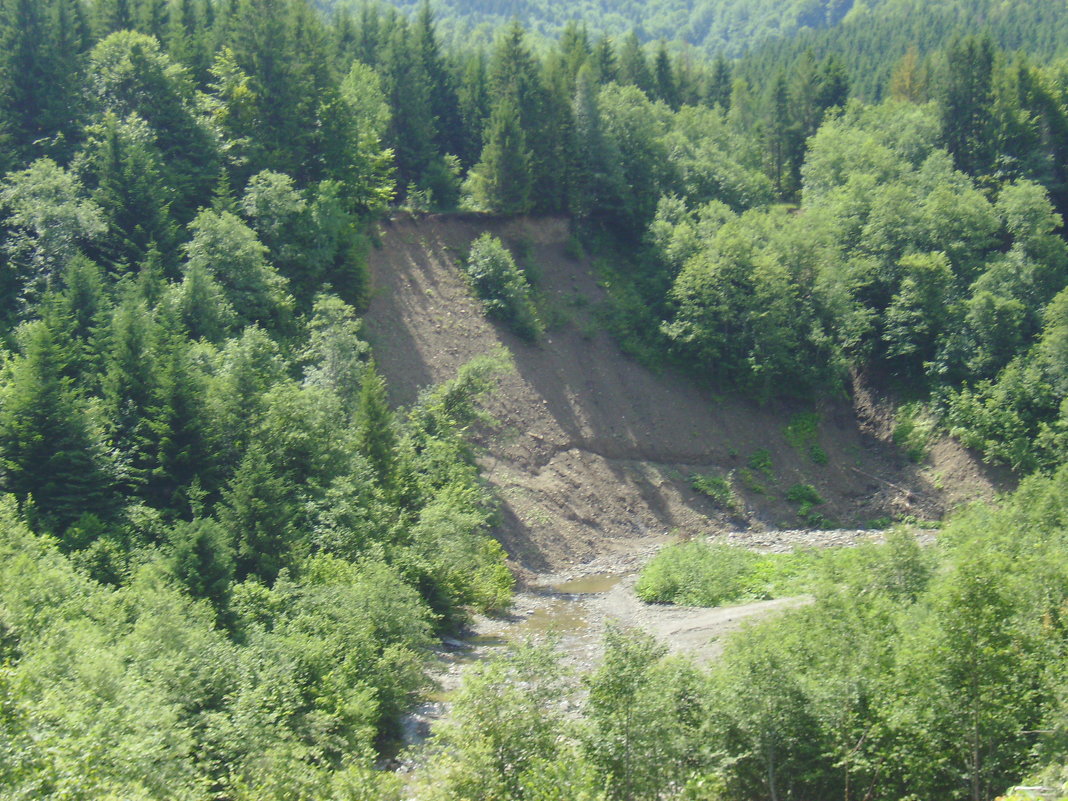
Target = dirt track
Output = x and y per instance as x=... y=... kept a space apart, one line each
x=592 y=452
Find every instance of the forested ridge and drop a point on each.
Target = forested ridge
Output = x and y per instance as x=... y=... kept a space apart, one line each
x=225 y=556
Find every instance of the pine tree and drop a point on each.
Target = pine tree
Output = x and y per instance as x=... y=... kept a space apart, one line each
x=375 y=436
x=40 y=45
x=595 y=181
x=82 y=314
x=258 y=517
x=131 y=392
x=201 y=559
x=183 y=454
x=967 y=103
x=474 y=105
x=603 y=60
x=665 y=85
x=783 y=140
x=130 y=74
x=111 y=16
x=502 y=180
x=413 y=127
x=909 y=80
x=46 y=448
x=121 y=167
x=444 y=102
x=153 y=17
x=633 y=66
x=718 y=87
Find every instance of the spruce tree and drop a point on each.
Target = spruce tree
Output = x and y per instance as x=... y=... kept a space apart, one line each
x=595 y=180
x=258 y=517
x=604 y=62
x=474 y=107
x=502 y=180
x=122 y=168
x=633 y=66
x=131 y=392
x=664 y=82
x=375 y=436
x=718 y=87
x=47 y=450
x=967 y=103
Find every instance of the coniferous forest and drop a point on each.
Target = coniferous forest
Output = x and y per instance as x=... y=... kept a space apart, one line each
x=226 y=555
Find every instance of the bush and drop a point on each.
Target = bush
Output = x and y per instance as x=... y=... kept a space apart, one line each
x=802 y=432
x=806 y=498
x=502 y=287
x=699 y=573
x=718 y=488
x=912 y=431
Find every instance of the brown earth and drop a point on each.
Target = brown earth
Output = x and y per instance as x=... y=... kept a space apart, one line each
x=592 y=452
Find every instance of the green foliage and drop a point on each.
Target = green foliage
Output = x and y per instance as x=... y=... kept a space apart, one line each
x=502 y=286
x=913 y=430
x=802 y=432
x=807 y=499
x=760 y=460
x=718 y=488
x=697 y=573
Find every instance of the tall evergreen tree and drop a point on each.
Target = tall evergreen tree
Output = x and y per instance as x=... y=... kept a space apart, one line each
x=122 y=169
x=967 y=101
x=665 y=86
x=375 y=436
x=131 y=393
x=633 y=66
x=718 y=86
x=595 y=182
x=413 y=126
x=257 y=517
x=444 y=102
x=40 y=46
x=47 y=450
x=474 y=106
x=502 y=180
x=603 y=59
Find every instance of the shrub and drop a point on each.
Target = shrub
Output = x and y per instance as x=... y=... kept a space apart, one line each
x=912 y=431
x=802 y=432
x=718 y=488
x=806 y=498
x=502 y=287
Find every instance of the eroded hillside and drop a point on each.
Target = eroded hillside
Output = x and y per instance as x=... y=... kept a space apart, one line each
x=592 y=451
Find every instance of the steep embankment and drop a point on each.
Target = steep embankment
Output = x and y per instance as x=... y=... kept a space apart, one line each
x=592 y=451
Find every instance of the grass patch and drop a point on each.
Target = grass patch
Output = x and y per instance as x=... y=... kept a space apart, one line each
x=709 y=573
x=760 y=461
x=704 y=573
x=718 y=488
x=913 y=431
x=802 y=432
x=751 y=482
x=807 y=499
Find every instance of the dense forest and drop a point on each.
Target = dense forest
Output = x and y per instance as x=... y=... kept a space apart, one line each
x=225 y=555
x=713 y=26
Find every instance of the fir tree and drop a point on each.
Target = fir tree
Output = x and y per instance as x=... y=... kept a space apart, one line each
x=502 y=180
x=46 y=449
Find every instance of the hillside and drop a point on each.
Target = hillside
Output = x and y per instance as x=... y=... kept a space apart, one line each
x=592 y=451
x=874 y=36
x=714 y=26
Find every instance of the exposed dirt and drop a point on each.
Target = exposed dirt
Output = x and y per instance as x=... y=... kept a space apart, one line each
x=592 y=452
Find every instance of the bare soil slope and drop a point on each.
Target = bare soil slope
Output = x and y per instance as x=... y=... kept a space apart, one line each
x=592 y=452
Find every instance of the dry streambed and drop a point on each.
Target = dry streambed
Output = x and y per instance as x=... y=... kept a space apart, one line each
x=573 y=609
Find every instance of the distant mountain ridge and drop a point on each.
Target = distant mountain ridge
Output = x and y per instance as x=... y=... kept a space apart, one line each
x=714 y=26
x=874 y=36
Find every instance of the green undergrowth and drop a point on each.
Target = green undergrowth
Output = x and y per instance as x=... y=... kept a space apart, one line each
x=802 y=432
x=705 y=572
